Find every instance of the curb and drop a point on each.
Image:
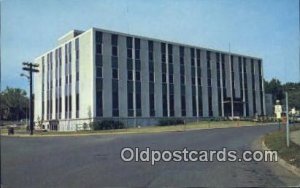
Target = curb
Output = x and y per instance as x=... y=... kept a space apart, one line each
x=292 y=138
x=129 y=132
x=282 y=162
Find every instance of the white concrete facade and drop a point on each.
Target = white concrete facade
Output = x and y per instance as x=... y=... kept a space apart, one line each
x=68 y=86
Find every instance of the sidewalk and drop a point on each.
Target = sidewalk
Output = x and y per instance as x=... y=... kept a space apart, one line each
x=295 y=137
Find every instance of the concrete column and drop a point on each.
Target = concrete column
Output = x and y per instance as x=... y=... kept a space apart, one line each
x=158 y=80
x=107 y=76
x=145 y=78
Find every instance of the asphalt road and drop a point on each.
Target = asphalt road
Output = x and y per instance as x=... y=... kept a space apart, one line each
x=93 y=161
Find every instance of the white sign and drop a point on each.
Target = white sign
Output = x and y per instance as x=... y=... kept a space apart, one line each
x=278 y=111
x=293 y=111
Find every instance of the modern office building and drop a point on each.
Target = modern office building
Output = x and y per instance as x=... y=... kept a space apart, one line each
x=100 y=74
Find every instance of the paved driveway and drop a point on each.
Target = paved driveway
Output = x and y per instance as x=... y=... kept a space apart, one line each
x=93 y=161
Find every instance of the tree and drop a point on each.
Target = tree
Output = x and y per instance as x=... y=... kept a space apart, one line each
x=14 y=104
x=293 y=90
x=277 y=89
x=274 y=87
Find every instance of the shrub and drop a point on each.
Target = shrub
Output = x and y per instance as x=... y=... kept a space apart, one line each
x=165 y=122
x=85 y=126
x=107 y=124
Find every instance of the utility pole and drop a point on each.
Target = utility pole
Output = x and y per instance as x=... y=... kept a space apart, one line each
x=31 y=68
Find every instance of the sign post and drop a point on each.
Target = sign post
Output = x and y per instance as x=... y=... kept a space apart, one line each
x=287 y=120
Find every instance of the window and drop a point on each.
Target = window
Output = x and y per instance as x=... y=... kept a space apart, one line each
x=99 y=104
x=60 y=105
x=171 y=79
x=163 y=57
x=163 y=67
x=194 y=105
x=163 y=48
x=77 y=102
x=98 y=60
x=115 y=74
x=70 y=52
x=151 y=87
x=150 y=45
x=199 y=80
x=151 y=66
x=138 y=64
x=138 y=100
x=151 y=56
x=98 y=48
x=170 y=68
x=114 y=39
x=77 y=76
x=151 y=76
x=183 y=105
x=182 y=79
x=198 y=53
x=130 y=100
x=114 y=62
x=200 y=101
x=170 y=48
x=137 y=76
x=192 y=62
x=114 y=51
x=137 y=43
x=115 y=104
x=129 y=75
x=192 y=50
x=129 y=53
x=77 y=54
x=152 y=107
x=165 y=105
x=115 y=98
x=164 y=78
x=181 y=51
x=99 y=84
x=129 y=64
x=193 y=81
x=99 y=72
x=130 y=86
x=70 y=103
x=137 y=54
x=138 y=87
x=98 y=37
x=129 y=42
x=170 y=58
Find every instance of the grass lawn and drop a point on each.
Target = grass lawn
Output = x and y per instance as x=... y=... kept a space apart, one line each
x=277 y=141
x=151 y=129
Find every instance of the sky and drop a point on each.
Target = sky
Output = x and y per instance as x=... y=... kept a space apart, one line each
x=268 y=29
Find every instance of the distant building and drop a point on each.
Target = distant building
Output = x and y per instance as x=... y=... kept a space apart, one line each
x=269 y=104
x=100 y=74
